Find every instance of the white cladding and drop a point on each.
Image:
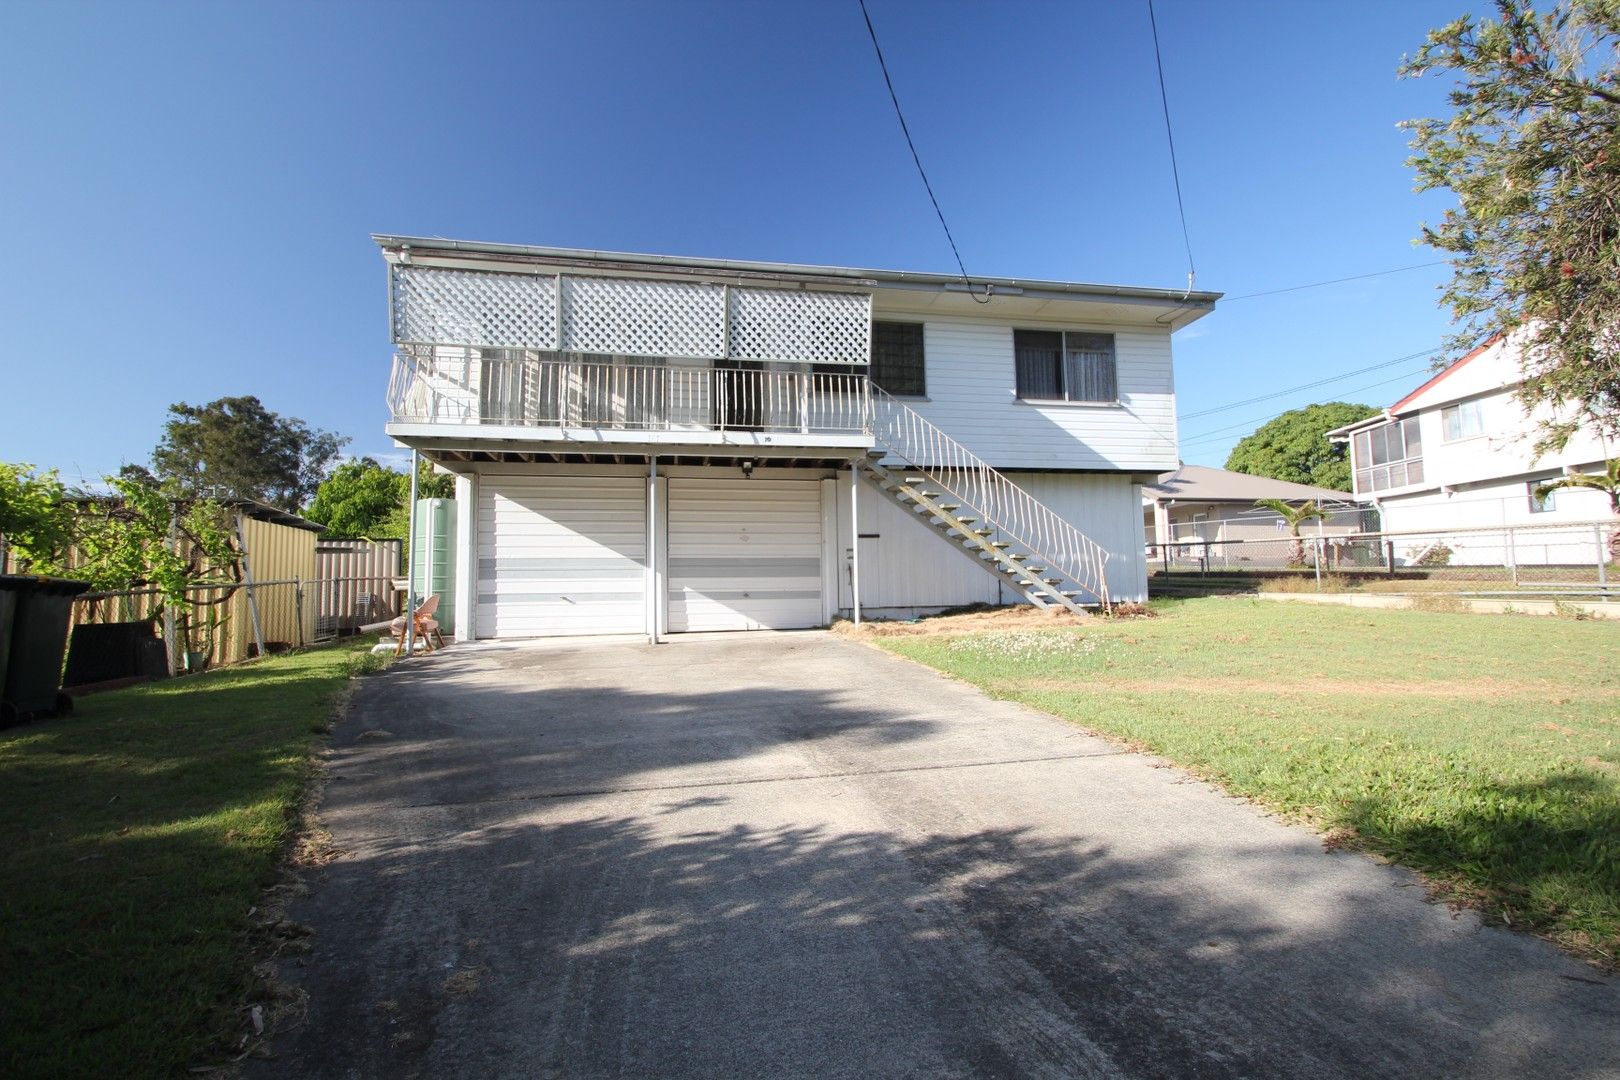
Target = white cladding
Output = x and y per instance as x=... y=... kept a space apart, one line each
x=972 y=395
x=744 y=554
x=561 y=554
x=907 y=566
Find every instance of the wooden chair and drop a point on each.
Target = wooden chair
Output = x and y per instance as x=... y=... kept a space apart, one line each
x=427 y=627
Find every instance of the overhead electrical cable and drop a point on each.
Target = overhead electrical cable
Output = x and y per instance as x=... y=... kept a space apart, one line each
x=1335 y=281
x=917 y=158
x=1170 y=137
x=1307 y=386
x=1221 y=433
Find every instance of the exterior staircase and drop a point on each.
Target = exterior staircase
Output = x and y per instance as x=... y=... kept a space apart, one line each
x=982 y=513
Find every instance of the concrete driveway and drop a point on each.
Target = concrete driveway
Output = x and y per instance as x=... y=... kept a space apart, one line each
x=792 y=855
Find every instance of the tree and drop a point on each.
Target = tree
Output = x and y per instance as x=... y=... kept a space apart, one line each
x=138 y=537
x=235 y=447
x=1295 y=446
x=1531 y=153
x=362 y=498
x=1607 y=481
x=1293 y=516
x=36 y=521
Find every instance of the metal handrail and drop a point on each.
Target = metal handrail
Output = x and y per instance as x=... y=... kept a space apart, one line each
x=1024 y=520
x=426 y=387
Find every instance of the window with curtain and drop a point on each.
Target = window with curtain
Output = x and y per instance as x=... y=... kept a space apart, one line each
x=897 y=358
x=1065 y=365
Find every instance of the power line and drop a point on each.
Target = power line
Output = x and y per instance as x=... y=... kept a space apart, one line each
x=1307 y=386
x=1335 y=281
x=1220 y=433
x=906 y=131
x=1170 y=137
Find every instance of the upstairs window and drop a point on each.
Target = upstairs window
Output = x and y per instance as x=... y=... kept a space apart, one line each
x=1542 y=504
x=1388 y=456
x=1463 y=420
x=897 y=358
x=1065 y=365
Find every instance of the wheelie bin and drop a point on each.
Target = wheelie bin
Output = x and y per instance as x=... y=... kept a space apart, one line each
x=32 y=646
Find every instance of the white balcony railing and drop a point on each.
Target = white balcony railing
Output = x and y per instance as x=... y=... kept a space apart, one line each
x=460 y=386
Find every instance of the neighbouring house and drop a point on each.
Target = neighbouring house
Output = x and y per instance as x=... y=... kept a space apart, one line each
x=647 y=444
x=1457 y=456
x=1196 y=503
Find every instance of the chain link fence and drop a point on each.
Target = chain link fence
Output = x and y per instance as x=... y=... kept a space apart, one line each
x=1567 y=559
x=221 y=624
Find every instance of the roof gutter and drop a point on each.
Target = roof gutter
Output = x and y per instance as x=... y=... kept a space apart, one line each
x=619 y=260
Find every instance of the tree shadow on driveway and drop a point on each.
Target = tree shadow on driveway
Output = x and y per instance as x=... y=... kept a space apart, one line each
x=776 y=867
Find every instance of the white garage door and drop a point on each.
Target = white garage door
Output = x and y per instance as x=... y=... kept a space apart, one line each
x=561 y=555
x=744 y=554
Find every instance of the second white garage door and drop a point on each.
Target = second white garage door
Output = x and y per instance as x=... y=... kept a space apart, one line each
x=744 y=554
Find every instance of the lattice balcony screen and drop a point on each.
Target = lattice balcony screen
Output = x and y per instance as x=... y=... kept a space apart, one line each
x=468 y=307
x=627 y=317
x=815 y=327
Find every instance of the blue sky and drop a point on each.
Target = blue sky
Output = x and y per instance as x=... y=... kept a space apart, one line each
x=189 y=189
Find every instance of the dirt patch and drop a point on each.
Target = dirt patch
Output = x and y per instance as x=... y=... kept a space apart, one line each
x=1480 y=690
x=967 y=621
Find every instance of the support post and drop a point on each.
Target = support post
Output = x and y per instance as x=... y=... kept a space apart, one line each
x=410 y=563
x=247 y=581
x=1602 y=560
x=1319 y=549
x=172 y=652
x=854 y=545
x=652 y=550
x=1512 y=555
x=1389 y=556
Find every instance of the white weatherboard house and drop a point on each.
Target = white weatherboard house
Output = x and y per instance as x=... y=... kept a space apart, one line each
x=1459 y=453
x=645 y=444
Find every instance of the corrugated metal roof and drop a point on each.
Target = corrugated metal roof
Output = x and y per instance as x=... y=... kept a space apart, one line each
x=427 y=245
x=1202 y=484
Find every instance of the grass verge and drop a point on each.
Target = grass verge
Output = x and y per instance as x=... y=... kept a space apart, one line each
x=1480 y=750
x=140 y=833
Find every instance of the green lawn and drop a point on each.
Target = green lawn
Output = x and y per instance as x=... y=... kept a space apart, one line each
x=1482 y=750
x=139 y=833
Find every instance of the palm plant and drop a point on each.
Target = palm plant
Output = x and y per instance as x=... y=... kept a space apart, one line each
x=1607 y=481
x=1294 y=517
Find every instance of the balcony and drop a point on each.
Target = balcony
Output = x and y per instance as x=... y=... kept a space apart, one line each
x=479 y=395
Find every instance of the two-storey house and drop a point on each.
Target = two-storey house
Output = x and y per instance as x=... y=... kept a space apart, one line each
x=645 y=444
x=1459 y=453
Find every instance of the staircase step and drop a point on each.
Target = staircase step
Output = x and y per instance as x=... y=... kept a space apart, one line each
x=950 y=506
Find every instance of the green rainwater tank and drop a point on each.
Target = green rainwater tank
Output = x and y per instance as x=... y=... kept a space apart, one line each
x=434 y=571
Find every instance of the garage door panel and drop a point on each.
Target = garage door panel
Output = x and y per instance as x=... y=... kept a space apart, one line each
x=561 y=555
x=744 y=555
